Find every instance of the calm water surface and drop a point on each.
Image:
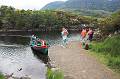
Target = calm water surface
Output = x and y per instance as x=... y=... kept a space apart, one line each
x=15 y=53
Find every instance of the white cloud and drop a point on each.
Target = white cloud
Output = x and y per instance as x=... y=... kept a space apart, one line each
x=27 y=4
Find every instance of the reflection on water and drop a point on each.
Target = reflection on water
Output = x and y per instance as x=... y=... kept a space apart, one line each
x=15 y=54
x=23 y=38
x=45 y=59
x=14 y=58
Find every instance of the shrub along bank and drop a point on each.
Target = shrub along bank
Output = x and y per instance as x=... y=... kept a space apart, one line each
x=1 y=76
x=108 y=52
x=54 y=74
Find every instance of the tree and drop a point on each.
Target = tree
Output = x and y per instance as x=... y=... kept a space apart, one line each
x=116 y=21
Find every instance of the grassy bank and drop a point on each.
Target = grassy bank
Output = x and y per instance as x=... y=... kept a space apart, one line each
x=108 y=52
x=54 y=74
x=1 y=76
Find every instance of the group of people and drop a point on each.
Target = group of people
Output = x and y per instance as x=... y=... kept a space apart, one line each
x=86 y=36
x=35 y=41
x=64 y=34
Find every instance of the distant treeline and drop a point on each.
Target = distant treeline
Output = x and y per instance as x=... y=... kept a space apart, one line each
x=11 y=18
x=15 y=19
x=110 y=25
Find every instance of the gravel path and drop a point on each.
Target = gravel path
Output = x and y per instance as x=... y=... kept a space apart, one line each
x=76 y=63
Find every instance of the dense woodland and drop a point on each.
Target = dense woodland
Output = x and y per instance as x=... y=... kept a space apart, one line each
x=11 y=18
x=15 y=19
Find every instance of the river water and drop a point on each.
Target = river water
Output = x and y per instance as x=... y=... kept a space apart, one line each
x=17 y=57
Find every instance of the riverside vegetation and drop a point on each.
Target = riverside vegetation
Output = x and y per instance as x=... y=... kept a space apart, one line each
x=54 y=74
x=15 y=19
x=108 y=52
x=2 y=76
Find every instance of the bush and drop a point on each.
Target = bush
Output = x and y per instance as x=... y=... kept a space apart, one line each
x=2 y=76
x=109 y=46
x=114 y=63
x=57 y=74
x=109 y=50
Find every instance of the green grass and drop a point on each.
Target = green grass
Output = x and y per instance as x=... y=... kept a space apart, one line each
x=57 y=74
x=108 y=60
x=108 y=52
x=108 y=46
x=1 y=76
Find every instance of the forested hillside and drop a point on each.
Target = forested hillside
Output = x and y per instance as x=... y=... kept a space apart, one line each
x=107 y=5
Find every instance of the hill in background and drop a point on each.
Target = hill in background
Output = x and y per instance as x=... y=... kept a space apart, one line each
x=53 y=5
x=86 y=7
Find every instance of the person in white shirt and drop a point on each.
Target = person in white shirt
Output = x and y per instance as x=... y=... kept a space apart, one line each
x=33 y=40
x=64 y=34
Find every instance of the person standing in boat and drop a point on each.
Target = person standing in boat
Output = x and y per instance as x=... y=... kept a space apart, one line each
x=33 y=39
x=64 y=34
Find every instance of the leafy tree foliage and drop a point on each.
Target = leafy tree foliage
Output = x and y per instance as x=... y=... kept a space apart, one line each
x=12 y=18
x=116 y=21
x=110 y=24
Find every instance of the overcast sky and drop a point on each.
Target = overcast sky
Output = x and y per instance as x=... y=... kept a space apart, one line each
x=27 y=4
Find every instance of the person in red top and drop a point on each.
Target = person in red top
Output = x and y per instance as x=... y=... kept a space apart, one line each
x=83 y=37
x=83 y=33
